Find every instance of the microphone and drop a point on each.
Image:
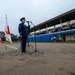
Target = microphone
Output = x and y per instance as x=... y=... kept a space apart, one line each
x=31 y=22
x=28 y=21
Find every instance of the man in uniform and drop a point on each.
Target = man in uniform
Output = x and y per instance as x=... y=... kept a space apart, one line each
x=23 y=31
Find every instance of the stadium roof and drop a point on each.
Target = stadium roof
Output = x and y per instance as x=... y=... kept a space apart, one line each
x=70 y=15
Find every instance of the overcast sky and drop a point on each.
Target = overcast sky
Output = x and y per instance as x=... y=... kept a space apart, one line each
x=36 y=11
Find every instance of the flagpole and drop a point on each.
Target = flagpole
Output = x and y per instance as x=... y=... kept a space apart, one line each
x=8 y=35
x=7 y=31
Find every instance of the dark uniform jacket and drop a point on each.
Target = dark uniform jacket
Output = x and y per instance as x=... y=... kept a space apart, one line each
x=23 y=29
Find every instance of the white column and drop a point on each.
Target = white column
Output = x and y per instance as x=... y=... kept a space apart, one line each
x=61 y=22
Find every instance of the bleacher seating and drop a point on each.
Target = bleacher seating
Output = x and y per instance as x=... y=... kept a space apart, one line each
x=58 y=29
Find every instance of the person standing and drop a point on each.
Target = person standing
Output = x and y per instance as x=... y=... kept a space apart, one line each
x=55 y=39
x=23 y=31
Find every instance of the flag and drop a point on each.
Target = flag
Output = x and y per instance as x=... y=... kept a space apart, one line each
x=0 y=41
x=7 y=32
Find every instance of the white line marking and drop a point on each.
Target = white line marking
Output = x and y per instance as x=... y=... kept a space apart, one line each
x=11 y=47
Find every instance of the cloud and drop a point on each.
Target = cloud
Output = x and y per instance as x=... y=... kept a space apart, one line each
x=34 y=10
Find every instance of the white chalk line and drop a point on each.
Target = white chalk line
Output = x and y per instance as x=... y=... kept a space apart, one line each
x=11 y=47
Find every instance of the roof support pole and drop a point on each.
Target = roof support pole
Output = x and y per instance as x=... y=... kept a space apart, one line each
x=68 y=22
x=46 y=28
x=61 y=22
x=33 y=32
x=39 y=30
x=54 y=26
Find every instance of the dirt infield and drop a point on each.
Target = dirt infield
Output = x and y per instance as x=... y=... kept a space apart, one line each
x=57 y=59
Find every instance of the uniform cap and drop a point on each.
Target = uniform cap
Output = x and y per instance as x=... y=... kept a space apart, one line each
x=23 y=18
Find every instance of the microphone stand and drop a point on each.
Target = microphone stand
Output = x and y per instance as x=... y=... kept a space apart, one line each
x=35 y=40
x=28 y=38
x=34 y=37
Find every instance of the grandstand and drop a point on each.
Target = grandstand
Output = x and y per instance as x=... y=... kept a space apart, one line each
x=60 y=28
